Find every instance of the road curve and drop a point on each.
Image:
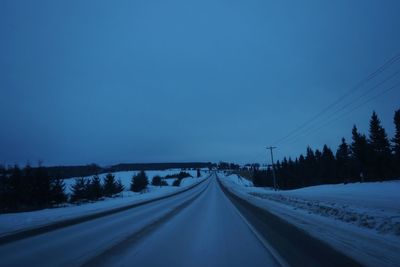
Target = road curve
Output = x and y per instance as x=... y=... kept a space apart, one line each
x=199 y=227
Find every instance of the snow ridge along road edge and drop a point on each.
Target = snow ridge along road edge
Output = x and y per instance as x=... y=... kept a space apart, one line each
x=19 y=235
x=259 y=236
x=294 y=245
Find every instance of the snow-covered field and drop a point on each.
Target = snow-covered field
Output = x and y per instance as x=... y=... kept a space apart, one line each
x=14 y=222
x=362 y=219
x=126 y=177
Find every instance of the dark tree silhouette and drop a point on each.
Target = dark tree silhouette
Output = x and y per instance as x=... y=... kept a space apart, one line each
x=327 y=166
x=80 y=189
x=156 y=181
x=95 y=188
x=396 y=143
x=139 y=182
x=380 y=148
x=360 y=152
x=177 y=182
x=343 y=162
x=110 y=185
x=57 y=189
x=310 y=167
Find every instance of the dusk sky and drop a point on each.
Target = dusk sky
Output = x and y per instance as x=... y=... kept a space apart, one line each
x=183 y=80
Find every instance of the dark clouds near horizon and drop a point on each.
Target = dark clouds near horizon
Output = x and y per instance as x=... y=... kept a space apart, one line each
x=156 y=81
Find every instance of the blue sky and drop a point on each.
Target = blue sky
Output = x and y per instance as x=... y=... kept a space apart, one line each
x=161 y=81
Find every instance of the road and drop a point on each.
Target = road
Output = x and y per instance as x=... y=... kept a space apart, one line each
x=200 y=227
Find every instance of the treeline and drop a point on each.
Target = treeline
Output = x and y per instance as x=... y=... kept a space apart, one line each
x=33 y=188
x=85 y=189
x=29 y=188
x=372 y=158
x=65 y=172
x=227 y=166
x=159 y=166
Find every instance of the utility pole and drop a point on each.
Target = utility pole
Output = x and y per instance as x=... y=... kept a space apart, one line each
x=273 y=166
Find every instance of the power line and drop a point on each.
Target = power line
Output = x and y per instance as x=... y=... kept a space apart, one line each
x=347 y=113
x=342 y=108
x=352 y=90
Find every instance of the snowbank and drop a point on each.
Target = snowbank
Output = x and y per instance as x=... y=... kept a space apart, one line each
x=237 y=179
x=14 y=222
x=360 y=220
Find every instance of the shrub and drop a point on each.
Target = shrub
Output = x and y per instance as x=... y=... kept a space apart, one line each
x=180 y=175
x=177 y=182
x=156 y=181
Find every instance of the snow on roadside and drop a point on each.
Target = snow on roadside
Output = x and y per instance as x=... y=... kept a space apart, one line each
x=239 y=180
x=14 y=222
x=360 y=220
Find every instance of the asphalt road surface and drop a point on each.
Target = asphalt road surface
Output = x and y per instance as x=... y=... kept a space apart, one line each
x=199 y=227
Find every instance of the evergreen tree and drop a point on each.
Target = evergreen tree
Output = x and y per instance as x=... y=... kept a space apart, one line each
x=5 y=190
x=40 y=191
x=380 y=148
x=15 y=185
x=26 y=188
x=57 y=188
x=310 y=167
x=139 y=182
x=318 y=174
x=343 y=161
x=301 y=170
x=396 y=143
x=156 y=181
x=80 y=189
x=256 y=179
x=293 y=177
x=177 y=182
x=198 y=173
x=283 y=174
x=359 y=154
x=260 y=177
x=96 y=189
x=327 y=166
x=110 y=185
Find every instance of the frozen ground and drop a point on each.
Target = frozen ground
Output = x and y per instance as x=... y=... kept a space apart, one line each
x=14 y=222
x=361 y=220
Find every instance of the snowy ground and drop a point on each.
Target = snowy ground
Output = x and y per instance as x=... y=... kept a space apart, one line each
x=361 y=220
x=237 y=179
x=14 y=222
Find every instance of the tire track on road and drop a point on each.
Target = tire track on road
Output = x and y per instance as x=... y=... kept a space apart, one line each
x=132 y=240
